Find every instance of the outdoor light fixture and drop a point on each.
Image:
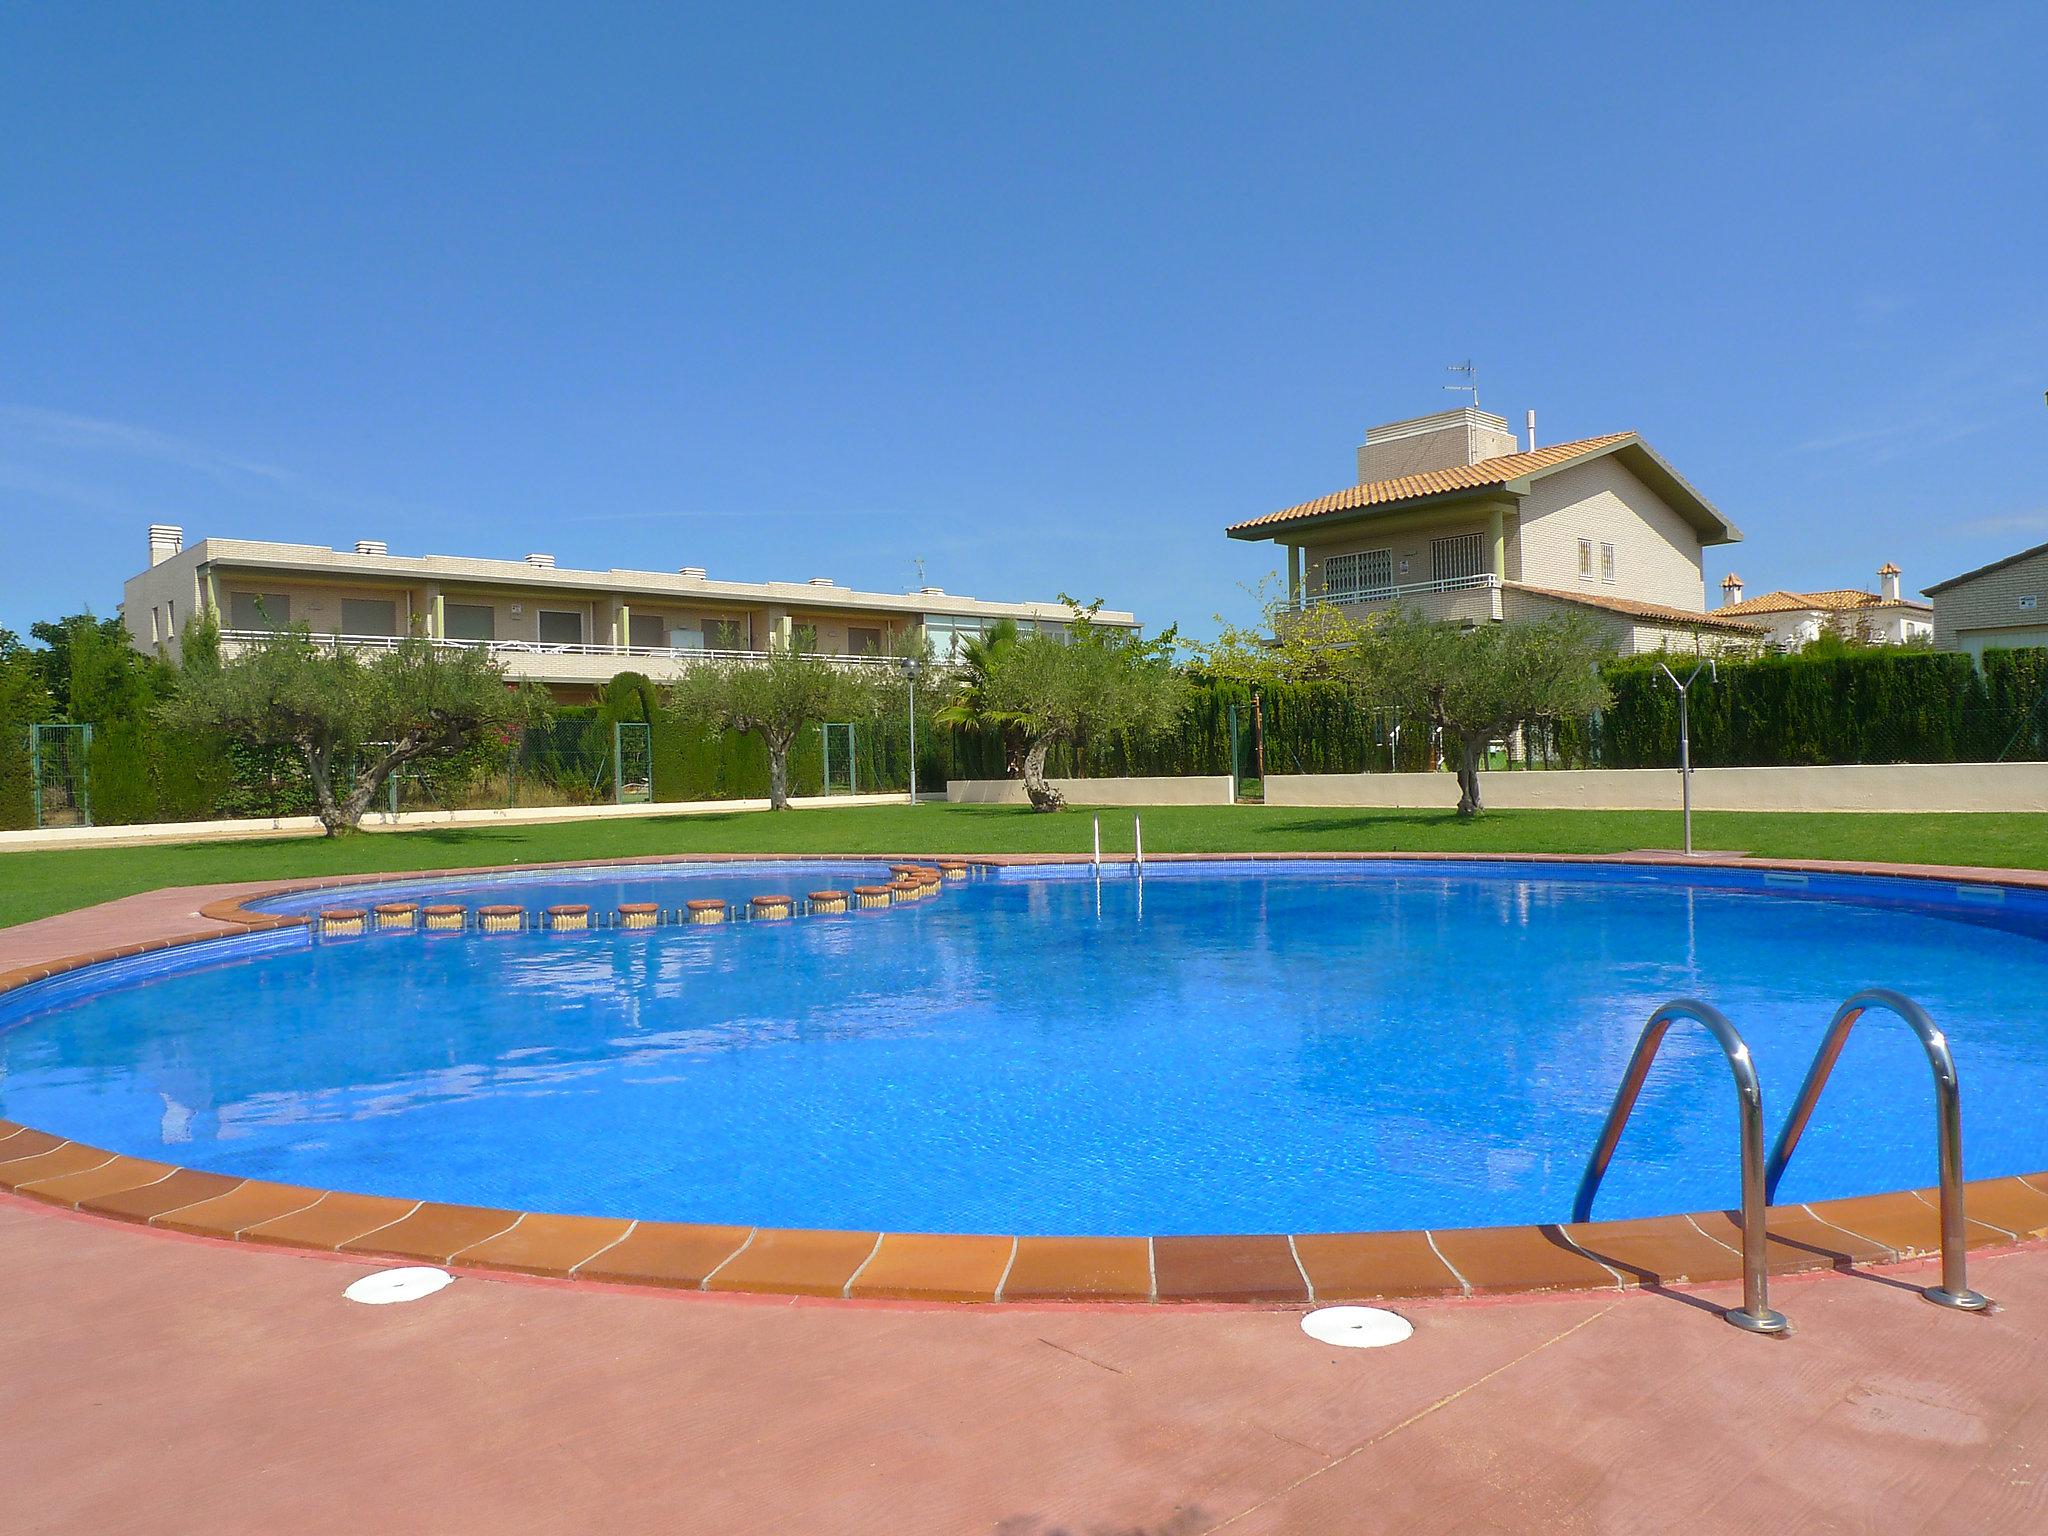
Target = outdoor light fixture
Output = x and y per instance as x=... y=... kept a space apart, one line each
x=910 y=666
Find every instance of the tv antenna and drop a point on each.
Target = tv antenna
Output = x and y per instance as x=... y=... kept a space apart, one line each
x=1471 y=384
x=918 y=562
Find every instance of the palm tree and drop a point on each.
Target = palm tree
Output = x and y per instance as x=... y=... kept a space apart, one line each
x=980 y=660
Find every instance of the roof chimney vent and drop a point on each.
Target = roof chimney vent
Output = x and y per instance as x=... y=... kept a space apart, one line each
x=547 y=562
x=1532 y=430
x=694 y=572
x=372 y=547
x=933 y=591
x=1888 y=582
x=165 y=540
x=821 y=581
x=1731 y=589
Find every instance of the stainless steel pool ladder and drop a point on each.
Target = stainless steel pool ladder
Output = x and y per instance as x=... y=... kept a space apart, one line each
x=1755 y=1314
x=1954 y=1290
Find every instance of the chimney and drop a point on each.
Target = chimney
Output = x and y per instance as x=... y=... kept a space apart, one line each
x=165 y=540
x=372 y=547
x=1888 y=581
x=1447 y=440
x=545 y=561
x=1532 y=431
x=1731 y=589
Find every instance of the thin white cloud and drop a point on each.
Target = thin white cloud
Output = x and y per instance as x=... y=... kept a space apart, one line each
x=2010 y=522
x=93 y=434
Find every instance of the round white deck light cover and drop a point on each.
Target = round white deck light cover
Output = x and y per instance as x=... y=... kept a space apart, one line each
x=1356 y=1327
x=389 y=1285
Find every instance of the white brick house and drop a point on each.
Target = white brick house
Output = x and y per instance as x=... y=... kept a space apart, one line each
x=1452 y=517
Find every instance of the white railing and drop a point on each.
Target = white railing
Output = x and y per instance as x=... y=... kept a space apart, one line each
x=1481 y=582
x=547 y=648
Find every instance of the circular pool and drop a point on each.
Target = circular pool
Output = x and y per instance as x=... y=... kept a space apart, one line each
x=1262 y=1046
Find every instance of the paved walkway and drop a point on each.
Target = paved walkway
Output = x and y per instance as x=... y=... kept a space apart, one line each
x=155 y=1383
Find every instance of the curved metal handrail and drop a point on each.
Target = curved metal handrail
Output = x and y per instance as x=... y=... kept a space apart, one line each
x=1755 y=1313
x=1954 y=1290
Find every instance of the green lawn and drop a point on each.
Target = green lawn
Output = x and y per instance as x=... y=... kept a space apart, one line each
x=36 y=884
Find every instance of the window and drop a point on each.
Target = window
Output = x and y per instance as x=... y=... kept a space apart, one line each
x=1368 y=570
x=1585 y=559
x=863 y=642
x=171 y=617
x=560 y=627
x=1607 y=562
x=686 y=637
x=156 y=630
x=2030 y=603
x=948 y=634
x=469 y=621
x=1454 y=559
x=259 y=610
x=643 y=631
x=368 y=618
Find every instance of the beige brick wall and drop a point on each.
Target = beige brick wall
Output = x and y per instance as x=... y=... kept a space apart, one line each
x=1657 y=553
x=1969 y=616
x=1455 y=443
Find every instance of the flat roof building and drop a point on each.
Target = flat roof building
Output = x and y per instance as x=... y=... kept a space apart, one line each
x=569 y=628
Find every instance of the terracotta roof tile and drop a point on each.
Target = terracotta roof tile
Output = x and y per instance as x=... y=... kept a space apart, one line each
x=1834 y=600
x=1658 y=613
x=1439 y=482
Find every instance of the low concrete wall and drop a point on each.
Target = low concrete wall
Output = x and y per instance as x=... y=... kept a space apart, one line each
x=404 y=821
x=1215 y=789
x=1861 y=787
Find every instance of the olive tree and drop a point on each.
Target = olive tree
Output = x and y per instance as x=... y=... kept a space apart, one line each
x=775 y=696
x=1093 y=681
x=1472 y=682
x=353 y=722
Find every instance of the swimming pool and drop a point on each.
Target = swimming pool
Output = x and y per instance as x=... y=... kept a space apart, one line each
x=1232 y=1047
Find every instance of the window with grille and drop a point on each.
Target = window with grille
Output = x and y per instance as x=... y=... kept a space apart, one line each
x=1585 y=559
x=1460 y=556
x=1607 y=562
x=1368 y=570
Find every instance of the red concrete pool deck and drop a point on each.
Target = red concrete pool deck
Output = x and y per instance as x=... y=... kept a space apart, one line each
x=155 y=1381
x=163 y=1384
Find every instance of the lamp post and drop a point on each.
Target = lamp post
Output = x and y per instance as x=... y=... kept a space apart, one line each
x=1685 y=734
x=910 y=666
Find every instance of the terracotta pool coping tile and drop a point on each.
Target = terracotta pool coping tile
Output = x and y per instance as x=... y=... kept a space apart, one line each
x=936 y=1267
x=123 y=1173
x=1498 y=1260
x=1080 y=1268
x=1240 y=1267
x=1800 y=1241
x=2009 y=1204
x=433 y=1233
x=545 y=1245
x=1908 y=1227
x=66 y=1157
x=1658 y=1250
x=795 y=1262
x=1350 y=1266
x=233 y=1211
x=147 y=1201
x=665 y=1253
x=331 y=1221
x=23 y=1144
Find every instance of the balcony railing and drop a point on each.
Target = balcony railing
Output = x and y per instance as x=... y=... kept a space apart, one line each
x=1484 y=582
x=543 y=648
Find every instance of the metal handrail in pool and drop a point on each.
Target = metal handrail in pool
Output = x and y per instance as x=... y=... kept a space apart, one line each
x=1755 y=1314
x=1954 y=1290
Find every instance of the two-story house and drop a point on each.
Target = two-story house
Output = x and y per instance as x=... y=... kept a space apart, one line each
x=569 y=629
x=1452 y=516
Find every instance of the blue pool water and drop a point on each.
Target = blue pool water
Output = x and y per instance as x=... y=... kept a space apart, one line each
x=1225 y=1047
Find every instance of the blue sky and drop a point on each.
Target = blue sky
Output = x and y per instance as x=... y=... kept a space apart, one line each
x=1041 y=295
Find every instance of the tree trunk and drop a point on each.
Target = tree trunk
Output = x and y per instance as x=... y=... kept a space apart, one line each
x=320 y=769
x=1469 y=748
x=778 y=776
x=1042 y=795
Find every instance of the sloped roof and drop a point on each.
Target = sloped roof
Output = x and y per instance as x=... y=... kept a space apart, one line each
x=1655 y=613
x=1834 y=600
x=1985 y=570
x=1512 y=472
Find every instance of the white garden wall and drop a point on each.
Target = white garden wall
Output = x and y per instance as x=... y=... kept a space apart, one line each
x=1197 y=789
